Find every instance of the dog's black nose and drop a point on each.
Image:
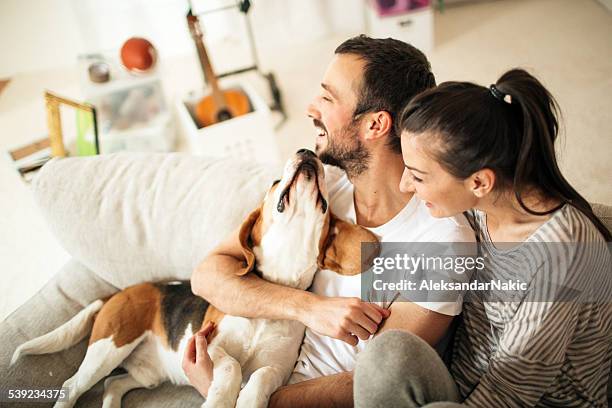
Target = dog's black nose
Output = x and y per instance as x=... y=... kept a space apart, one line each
x=306 y=152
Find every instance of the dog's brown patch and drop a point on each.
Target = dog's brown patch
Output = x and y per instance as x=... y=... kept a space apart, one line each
x=213 y=315
x=128 y=314
x=341 y=250
x=325 y=239
x=250 y=236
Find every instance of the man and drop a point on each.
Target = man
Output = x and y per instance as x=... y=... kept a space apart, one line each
x=363 y=91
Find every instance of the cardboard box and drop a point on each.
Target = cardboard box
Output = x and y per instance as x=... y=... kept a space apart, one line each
x=250 y=136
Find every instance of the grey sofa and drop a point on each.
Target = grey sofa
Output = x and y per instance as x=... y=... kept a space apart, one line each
x=127 y=219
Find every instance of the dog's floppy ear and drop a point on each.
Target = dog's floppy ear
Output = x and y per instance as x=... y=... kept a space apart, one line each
x=340 y=249
x=250 y=236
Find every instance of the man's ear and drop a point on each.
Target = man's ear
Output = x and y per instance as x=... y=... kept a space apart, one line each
x=250 y=235
x=379 y=124
x=341 y=251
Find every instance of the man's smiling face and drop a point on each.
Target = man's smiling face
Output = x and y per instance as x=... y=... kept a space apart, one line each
x=332 y=110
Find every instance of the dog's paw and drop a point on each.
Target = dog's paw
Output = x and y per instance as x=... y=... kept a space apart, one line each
x=250 y=400
x=219 y=403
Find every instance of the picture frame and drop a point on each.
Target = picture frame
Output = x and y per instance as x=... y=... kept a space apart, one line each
x=54 y=125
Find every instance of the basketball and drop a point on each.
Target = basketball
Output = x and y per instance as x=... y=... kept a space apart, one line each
x=138 y=54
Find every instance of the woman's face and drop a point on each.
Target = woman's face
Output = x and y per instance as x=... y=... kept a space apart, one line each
x=444 y=194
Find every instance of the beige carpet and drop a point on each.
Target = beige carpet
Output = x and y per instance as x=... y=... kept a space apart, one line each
x=567 y=45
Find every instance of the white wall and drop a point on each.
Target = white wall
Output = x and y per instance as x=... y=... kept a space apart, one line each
x=36 y=34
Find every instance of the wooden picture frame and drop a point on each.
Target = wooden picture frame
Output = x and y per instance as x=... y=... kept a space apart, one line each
x=54 y=122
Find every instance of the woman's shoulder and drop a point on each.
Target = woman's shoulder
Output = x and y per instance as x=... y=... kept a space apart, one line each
x=568 y=224
x=577 y=255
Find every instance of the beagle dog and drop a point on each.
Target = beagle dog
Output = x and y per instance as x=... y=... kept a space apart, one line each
x=145 y=328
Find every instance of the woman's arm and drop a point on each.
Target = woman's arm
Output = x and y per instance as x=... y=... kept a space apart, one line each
x=529 y=357
x=562 y=319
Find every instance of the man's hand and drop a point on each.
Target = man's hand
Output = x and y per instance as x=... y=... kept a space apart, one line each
x=346 y=319
x=197 y=365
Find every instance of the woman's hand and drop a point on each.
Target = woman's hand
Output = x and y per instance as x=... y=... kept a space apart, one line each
x=197 y=365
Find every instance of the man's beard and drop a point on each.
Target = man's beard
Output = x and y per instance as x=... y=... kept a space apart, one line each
x=346 y=150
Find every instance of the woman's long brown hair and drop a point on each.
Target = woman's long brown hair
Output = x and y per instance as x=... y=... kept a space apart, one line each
x=513 y=136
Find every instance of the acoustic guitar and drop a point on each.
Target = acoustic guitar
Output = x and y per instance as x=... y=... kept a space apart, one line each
x=221 y=104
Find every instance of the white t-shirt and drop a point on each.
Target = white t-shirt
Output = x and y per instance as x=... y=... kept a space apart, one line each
x=321 y=355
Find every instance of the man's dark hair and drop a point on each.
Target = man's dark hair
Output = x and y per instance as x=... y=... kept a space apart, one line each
x=394 y=72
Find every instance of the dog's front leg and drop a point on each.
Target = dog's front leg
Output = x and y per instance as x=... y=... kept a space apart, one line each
x=262 y=383
x=227 y=377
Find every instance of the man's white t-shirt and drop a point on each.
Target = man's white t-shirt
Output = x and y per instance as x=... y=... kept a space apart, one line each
x=321 y=355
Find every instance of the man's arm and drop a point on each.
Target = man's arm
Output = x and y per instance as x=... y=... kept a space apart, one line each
x=429 y=325
x=216 y=279
x=330 y=391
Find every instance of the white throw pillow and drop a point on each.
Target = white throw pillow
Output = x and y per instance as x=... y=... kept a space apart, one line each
x=146 y=217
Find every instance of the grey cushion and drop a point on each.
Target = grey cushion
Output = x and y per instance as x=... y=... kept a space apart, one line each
x=604 y=212
x=145 y=217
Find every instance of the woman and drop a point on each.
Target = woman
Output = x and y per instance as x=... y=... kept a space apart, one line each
x=490 y=152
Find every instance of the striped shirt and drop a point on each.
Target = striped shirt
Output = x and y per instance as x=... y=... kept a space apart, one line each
x=532 y=352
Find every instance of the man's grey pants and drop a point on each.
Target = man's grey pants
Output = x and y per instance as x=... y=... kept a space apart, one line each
x=399 y=369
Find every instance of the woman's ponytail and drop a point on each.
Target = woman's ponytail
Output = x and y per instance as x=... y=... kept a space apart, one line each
x=536 y=162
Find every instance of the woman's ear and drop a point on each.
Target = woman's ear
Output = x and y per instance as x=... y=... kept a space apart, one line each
x=250 y=235
x=481 y=182
x=342 y=249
